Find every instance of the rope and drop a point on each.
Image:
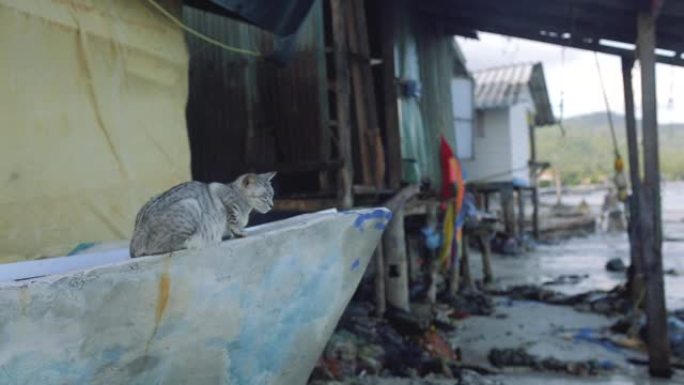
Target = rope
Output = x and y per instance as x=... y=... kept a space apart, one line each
x=605 y=100
x=200 y=35
x=562 y=94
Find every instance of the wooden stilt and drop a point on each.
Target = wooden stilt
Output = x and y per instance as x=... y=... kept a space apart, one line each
x=433 y=265
x=507 y=206
x=394 y=251
x=533 y=180
x=636 y=272
x=521 y=213
x=465 y=262
x=486 y=251
x=535 y=210
x=656 y=314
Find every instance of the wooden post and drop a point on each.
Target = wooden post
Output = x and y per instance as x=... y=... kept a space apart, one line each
x=390 y=102
x=507 y=206
x=394 y=250
x=559 y=187
x=345 y=177
x=465 y=263
x=535 y=211
x=521 y=213
x=636 y=271
x=486 y=251
x=533 y=179
x=380 y=295
x=433 y=266
x=656 y=314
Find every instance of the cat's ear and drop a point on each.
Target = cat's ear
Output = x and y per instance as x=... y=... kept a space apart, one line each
x=268 y=175
x=247 y=180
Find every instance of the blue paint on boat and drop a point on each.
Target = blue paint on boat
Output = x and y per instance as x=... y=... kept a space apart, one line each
x=251 y=352
x=355 y=265
x=380 y=216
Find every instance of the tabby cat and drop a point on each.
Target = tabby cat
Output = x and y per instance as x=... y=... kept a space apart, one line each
x=194 y=214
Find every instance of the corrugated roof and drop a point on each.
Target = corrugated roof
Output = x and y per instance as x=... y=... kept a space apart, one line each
x=506 y=86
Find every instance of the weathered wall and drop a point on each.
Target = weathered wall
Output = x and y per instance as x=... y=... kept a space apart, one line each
x=492 y=147
x=248 y=113
x=520 y=142
x=92 y=98
x=423 y=53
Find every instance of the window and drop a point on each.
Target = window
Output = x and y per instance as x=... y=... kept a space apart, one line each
x=462 y=105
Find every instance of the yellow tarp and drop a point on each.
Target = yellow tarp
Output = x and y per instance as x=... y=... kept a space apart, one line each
x=92 y=120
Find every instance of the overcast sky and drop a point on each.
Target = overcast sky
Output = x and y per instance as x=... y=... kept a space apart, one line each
x=576 y=76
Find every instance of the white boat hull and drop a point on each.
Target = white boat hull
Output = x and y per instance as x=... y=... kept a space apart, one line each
x=256 y=310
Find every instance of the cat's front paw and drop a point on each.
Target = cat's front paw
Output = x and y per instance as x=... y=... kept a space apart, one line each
x=239 y=234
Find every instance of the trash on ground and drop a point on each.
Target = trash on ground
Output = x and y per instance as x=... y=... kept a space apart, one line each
x=519 y=357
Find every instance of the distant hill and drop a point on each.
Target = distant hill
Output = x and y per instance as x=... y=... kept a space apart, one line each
x=585 y=153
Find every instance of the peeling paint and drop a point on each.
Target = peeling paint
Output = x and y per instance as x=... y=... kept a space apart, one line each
x=256 y=311
x=380 y=217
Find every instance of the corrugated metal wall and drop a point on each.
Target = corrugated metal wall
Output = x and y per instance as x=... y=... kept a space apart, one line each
x=425 y=54
x=249 y=114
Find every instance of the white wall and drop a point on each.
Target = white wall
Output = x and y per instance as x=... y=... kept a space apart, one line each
x=520 y=142
x=491 y=142
x=501 y=145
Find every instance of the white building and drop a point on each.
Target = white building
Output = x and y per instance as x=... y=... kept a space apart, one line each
x=497 y=148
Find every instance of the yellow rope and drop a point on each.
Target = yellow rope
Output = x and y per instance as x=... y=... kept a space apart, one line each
x=200 y=35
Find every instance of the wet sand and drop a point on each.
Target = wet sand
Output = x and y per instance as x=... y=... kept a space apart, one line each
x=547 y=330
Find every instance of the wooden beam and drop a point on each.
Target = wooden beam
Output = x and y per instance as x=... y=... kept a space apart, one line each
x=636 y=271
x=573 y=43
x=345 y=176
x=390 y=97
x=358 y=89
x=368 y=132
x=557 y=17
x=656 y=314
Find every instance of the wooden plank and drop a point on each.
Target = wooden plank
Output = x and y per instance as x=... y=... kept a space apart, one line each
x=390 y=97
x=636 y=275
x=656 y=314
x=342 y=104
x=360 y=108
x=369 y=140
x=373 y=135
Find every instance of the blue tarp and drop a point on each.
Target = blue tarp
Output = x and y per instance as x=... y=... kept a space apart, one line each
x=282 y=17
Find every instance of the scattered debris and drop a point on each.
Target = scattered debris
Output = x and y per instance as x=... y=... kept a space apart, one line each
x=616 y=265
x=611 y=302
x=566 y=279
x=519 y=357
x=464 y=377
x=469 y=303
